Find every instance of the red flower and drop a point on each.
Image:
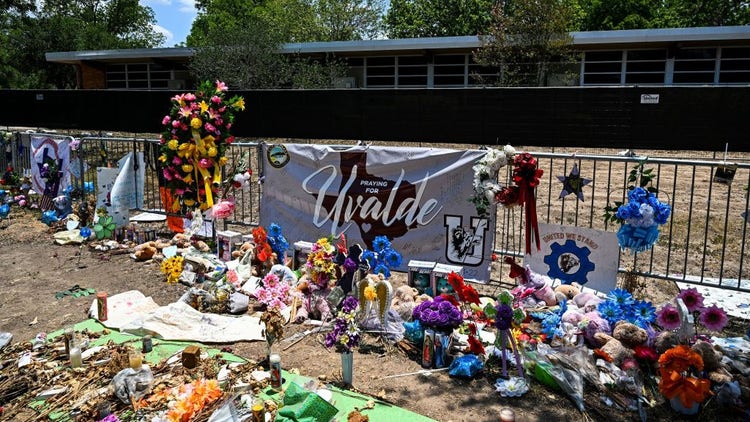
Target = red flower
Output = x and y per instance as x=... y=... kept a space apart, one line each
x=645 y=353
x=456 y=281
x=475 y=346
x=469 y=295
x=450 y=298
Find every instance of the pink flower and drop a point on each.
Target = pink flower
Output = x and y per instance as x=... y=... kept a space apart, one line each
x=205 y=163
x=167 y=174
x=22 y=203
x=209 y=127
x=185 y=111
x=189 y=97
x=233 y=278
x=179 y=191
x=175 y=124
x=165 y=120
x=176 y=160
x=714 y=318
x=692 y=298
x=222 y=209
x=216 y=99
x=668 y=317
x=221 y=86
x=178 y=97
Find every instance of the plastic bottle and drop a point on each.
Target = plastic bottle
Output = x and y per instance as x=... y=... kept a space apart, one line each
x=76 y=361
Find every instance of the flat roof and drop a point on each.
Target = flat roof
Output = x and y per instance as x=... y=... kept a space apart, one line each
x=589 y=39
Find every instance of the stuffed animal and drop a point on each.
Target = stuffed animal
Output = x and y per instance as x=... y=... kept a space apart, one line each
x=566 y=292
x=404 y=301
x=63 y=206
x=630 y=335
x=613 y=348
x=284 y=274
x=145 y=251
x=181 y=240
x=314 y=302
x=539 y=285
x=665 y=341
x=712 y=365
x=591 y=324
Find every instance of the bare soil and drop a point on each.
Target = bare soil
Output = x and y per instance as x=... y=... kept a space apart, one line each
x=33 y=269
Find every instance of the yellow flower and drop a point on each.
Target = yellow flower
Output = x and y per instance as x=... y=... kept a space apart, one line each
x=212 y=151
x=173 y=144
x=239 y=103
x=223 y=160
x=188 y=179
x=370 y=293
x=196 y=123
x=187 y=168
x=204 y=106
x=163 y=158
x=209 y=140
x=188 y=202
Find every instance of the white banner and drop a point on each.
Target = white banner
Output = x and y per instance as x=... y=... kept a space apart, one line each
x=120 y=189
x=577 y=254
x=49 y=151
x=417 y=197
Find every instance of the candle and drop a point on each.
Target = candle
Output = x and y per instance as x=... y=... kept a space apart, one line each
x=259 y=410
x=76 y=361
x=135 y=360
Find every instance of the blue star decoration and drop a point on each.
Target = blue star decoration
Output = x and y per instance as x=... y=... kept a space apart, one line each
x=573 y=183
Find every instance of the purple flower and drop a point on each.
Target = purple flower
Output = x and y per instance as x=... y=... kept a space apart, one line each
x=504 y=317
x=692 y=299
x=714 y=318
x=438 y=314
x=668 y=317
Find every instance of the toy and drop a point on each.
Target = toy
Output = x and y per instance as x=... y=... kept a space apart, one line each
x=63 y=206
x=314 y=302
x=405 y=299
x=613 y=349
x=630 y=335
x=568 y=292
x=712 y=363
x=145 y=251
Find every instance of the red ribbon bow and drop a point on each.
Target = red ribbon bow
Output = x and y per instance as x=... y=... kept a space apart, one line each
x=526 y=175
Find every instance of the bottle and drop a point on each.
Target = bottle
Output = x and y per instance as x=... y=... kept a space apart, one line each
x=68 y=339
x=76 y=361
x=259 y=410
x=147 y=344
x=275 y=368
x=136 y=360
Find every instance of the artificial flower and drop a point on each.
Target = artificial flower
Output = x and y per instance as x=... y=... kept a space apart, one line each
x=370 y=293
x=610 y=311
x=668 y=317
x=345 y=335
x=172 y=268
x=621 y=297
x=485 y=183
x=714 y=318
x=383 y=257
x=504 y=316
x=692 y=298
x=512 y=387
x=273 y=293
x=679 y=359
x=439 y=314
x=645 y=353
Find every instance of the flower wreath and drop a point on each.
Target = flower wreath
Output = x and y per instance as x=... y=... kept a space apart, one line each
x=194 y=141
x=485 y=183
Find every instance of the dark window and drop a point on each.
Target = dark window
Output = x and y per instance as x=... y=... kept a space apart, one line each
x=380 y=71
x=412 y=80
x=417 y=70
x=137 y=75
x=602 y=79
x=601 y=67
x=647 y=55
x=735 y=64
x=645 y=67
x=380 y=81
x=116 y=84
x=603 y=56
x=693 y=78
x=380 y=61
x=412 y=60
x=735 y=52
x=450 y=59
x=355 y=62
x=137 y=67
x=734 y=77
x=692 y=66
x=137 y=84
x=695 y=53
x=115 y=68
x=644 y=78
x=159 y=84
x=449 y=80
x=449 y=70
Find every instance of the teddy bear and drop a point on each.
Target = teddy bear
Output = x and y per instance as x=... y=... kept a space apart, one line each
x=566 y=292
x=630 y=335
x=665 y=341
x=712 y=365
x=405 y=299
x=314 y=302
x=145 y=251
x=181 y=240
x=535 y=289
x=612 y=348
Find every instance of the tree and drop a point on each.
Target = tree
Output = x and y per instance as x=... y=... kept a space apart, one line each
x=252 y=60
x=528 y=42
x=343 y=20
x=693 y=13
x=619 y=14
x=63 y=25
x=438 y=18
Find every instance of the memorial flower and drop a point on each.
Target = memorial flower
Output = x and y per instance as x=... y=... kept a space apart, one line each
x=383 y=257
x=193 y=144
x=642 y=215
x=486 y=187
x=345 y=335
x=439 y=314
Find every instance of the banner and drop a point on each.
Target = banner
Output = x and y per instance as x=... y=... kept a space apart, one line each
x=121 y=189
x=417 y=197
x=54 y=153
x=577 y=254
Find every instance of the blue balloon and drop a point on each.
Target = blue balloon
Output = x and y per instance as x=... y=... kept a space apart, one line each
x=85 y=232
x=4 y=210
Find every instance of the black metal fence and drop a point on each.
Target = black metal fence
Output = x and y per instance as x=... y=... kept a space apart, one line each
x=704 y=242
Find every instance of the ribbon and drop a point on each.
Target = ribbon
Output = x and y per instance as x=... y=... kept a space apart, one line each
x=690 y=390
x=202 y=161
x=526 y=176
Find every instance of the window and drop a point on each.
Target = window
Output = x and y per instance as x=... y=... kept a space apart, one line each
x=381 y=71
x=694 y=66
x=734 y=66
x=412 y=71
x=602 y=67
x=138 y=76
x=450 y=70
x=645 y=66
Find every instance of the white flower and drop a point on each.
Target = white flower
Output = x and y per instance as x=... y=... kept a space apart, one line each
x=513 y=387
x=509 y=151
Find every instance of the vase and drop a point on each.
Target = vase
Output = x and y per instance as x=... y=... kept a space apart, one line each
x=428 y=348
x=680 y=408
x=347 y=367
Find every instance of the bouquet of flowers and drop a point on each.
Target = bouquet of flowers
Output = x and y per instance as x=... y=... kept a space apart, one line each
x=485 y=183
x=346 y=333
x=274 y=293
x=193 y=144
x=383 y=257
x=642 y=216
x=439 y=314
x=675 y=367
x=712 y=317
x=320 y=264
x=172 y=268
x=620 y=305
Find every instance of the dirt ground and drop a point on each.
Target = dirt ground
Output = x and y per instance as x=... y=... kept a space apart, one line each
x=33 y=269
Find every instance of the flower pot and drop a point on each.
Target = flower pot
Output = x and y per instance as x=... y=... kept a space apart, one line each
x=347 y=367
x=680 y=408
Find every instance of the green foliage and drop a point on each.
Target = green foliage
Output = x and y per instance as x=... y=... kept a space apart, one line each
x=619 y=14
x=35 y=28
x=638 y=176
x=342 y=20
x=438 y=18
x=528 y=44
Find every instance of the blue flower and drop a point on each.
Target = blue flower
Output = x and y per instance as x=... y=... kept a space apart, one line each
x=392 y=258
x=621 y=297
x=382 y=269
x=610 y=311
x=638 y=195
x=274 y=230
x=369 y=256
x=644 y=311
x=381 y=243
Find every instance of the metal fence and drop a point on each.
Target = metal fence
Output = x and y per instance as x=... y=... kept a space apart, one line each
x=704 y=241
